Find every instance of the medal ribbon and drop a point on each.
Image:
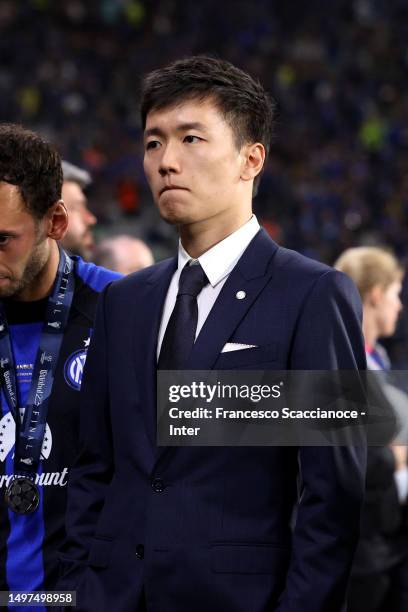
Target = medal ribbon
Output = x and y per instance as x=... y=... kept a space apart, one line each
x=30 y=433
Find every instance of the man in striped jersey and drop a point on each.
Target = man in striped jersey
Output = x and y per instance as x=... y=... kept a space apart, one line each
x=47 y=303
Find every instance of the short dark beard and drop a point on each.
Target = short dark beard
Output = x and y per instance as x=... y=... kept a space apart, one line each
x=36 y=263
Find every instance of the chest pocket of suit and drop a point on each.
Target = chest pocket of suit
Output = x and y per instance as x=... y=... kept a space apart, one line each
x=247 y=357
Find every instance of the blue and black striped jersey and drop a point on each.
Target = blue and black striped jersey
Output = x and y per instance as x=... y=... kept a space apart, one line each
x=29 y=543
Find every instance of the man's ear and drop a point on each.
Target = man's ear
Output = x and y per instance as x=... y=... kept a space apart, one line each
x=254 y=158
x=57 y=221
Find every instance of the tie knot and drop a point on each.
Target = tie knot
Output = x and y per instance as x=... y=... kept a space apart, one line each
x=192 y=280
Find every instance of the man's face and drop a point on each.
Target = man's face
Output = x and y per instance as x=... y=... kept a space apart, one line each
x=23 y=245
x=192 y=163
x=79 y=238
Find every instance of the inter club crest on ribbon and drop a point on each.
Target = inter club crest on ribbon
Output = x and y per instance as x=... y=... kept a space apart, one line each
x=74 y=367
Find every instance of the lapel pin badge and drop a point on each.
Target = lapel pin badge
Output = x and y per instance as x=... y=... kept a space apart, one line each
x=240 y=295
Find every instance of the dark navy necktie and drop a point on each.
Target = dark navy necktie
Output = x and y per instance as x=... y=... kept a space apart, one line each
x=181 y=328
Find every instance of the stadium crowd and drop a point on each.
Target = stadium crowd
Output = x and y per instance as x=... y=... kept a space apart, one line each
x=337 y=173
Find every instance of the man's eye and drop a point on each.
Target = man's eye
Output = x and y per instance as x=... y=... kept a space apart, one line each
x=152 y=144
x=4 y=240
x=192 y=139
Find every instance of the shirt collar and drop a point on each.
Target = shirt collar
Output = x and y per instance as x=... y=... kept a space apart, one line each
x=218 y=261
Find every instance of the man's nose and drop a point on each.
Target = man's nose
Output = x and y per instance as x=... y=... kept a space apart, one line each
x=169 y=162
x=400 y=304
x=90 y=218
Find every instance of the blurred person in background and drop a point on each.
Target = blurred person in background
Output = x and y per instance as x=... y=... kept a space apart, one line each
x=47 y=306
x=380 y=573
x=123 y=254
x=79 y=239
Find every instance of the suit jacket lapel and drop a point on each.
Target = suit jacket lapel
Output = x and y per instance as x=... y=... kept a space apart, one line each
x=250 y=275
x=147 y=323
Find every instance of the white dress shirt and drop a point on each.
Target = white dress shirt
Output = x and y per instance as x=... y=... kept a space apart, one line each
x=217 y=263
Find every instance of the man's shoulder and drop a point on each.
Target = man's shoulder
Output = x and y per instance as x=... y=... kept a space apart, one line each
x=290 y=269
x=146 y=276
x=263 y=249
x=301 y=271
x=295 y=263
x=95 y=277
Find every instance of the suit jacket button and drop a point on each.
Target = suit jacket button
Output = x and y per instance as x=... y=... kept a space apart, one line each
x=158 y=485
x=140 y=551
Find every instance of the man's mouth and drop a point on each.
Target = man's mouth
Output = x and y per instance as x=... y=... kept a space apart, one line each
x=170 y=188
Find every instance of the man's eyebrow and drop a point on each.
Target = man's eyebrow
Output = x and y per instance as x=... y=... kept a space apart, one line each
x=182 y=127
x=193 y=125
x=154 y=131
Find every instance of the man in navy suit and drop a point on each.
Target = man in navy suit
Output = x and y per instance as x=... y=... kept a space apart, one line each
x=199 y=529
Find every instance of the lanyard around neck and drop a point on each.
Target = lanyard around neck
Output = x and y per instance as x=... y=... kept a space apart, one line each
x=30 y=433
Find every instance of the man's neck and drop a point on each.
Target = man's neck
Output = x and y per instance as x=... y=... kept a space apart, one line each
x=198 y=238
x=42 y=284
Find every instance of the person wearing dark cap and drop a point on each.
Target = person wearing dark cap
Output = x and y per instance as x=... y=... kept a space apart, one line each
x=47 y=305
x=79 y=239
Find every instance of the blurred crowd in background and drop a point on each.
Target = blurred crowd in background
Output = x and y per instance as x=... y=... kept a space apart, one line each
x=337 y=175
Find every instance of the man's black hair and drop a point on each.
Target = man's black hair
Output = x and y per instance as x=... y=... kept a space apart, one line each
x=32 y=165
x=241 y=99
